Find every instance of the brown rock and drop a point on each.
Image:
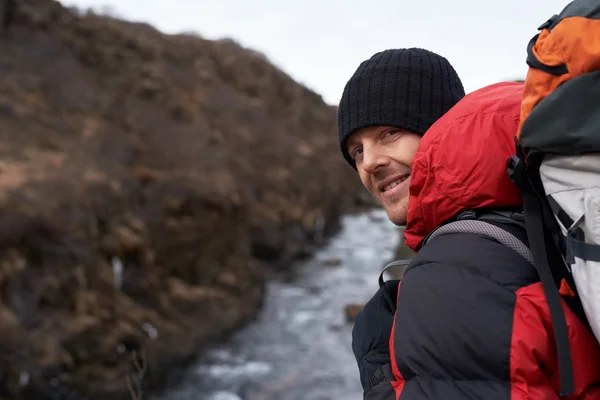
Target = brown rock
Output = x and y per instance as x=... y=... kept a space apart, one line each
x=332 y=262
x=351 y=310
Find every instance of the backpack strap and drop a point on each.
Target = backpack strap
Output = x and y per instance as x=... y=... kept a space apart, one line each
x=580 y=249
x=538 y=241
x=574 y=242
x=466 y=224
x=382 y=283
x=485 y=229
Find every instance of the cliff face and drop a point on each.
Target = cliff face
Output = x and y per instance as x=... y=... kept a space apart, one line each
x=146 y=182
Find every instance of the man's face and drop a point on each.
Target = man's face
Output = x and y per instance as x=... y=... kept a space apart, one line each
x=383 y=157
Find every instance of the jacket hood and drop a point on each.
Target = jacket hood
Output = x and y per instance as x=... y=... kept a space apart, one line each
x=461 y=162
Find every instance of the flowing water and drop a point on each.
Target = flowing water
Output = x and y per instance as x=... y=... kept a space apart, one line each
x=299 y=348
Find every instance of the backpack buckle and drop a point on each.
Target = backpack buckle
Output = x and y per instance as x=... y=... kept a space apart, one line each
x=515 y=170
x=515 y=165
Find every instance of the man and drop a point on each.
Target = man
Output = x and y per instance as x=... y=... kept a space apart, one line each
x=387 y=105
x=392 y=99
x=470 y=318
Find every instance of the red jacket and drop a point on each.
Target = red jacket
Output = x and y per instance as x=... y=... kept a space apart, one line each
x=472 y=321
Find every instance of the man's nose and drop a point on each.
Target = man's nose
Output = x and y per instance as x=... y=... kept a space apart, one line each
x=374 y=159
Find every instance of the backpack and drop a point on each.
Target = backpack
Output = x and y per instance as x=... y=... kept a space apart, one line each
x=557 y=165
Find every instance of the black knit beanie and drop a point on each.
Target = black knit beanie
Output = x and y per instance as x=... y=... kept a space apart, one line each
x=404 y=88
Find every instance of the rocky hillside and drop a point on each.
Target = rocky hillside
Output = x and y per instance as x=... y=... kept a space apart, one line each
x=146 y=182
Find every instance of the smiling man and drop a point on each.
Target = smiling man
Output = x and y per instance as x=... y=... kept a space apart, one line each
x=382 y=155
x=387 y=105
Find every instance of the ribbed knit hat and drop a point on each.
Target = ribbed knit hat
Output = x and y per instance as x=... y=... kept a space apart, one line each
x=404 y=88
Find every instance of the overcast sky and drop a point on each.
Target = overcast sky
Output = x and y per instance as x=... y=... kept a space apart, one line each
x=320 y=43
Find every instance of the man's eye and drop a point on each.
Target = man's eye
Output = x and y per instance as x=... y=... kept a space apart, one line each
x=356 y=152
x=392 y=132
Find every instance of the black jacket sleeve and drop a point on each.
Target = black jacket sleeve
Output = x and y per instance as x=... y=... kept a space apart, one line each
x=370 y=344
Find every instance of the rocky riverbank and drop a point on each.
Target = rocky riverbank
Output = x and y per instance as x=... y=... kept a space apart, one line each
x=148 y=183
x=299 y=348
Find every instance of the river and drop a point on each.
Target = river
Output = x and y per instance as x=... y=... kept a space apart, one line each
x=299 y=347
